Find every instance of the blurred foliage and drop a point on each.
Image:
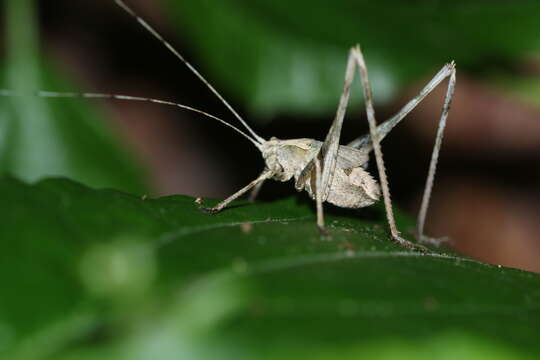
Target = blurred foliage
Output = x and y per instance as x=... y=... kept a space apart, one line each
x=523 y=88
x=286 y=56
x=43 y=137
x=106 y=275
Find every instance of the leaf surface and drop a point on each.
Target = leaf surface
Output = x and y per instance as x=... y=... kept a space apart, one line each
x=103 y=274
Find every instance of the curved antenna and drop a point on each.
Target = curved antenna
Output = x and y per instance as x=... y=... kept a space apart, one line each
x=55 y=94
x=152 y=31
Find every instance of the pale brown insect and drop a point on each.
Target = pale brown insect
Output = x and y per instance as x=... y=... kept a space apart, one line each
x=328 y=171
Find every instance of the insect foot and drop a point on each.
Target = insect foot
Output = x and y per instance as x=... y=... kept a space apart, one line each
x=409 y=245
x=323 y=231
x=210 y=211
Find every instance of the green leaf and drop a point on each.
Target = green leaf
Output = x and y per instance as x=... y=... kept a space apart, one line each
x=99 y=274
x=39 y=137
x=289 y=56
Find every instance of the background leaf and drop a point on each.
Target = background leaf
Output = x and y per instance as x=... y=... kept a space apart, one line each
x=44 y=137
x=283 y=56
x=101 y=274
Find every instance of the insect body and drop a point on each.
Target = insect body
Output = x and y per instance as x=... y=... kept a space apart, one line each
x=336 y=173
x=328 y=171
x=351 y=187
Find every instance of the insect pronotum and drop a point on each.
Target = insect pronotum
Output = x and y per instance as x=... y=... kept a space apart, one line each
x=328 y=171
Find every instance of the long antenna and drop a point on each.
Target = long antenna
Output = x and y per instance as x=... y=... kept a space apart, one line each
x=190 y=67
x=55 y=94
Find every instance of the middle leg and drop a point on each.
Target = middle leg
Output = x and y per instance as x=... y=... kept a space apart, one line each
x=375 y=137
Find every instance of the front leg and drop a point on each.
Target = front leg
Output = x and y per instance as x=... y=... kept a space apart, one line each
x=266 y=174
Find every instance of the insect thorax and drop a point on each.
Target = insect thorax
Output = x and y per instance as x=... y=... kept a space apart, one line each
x=351 y=186
x=287 y=158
